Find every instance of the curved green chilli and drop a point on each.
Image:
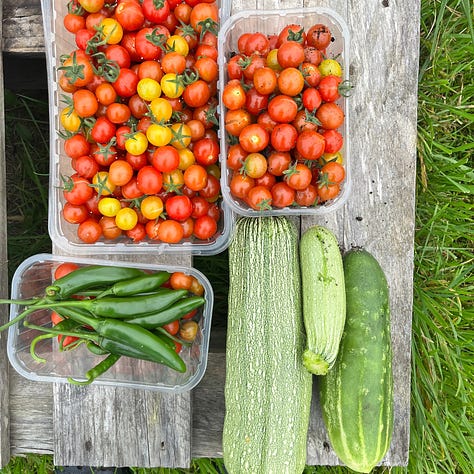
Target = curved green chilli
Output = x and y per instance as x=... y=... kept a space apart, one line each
x=357 y=394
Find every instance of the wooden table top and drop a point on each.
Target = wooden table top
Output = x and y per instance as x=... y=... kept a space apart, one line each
x=100 y=426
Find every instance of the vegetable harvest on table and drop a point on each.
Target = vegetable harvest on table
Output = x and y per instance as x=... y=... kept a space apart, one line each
x=115 y=312
x=281 y=288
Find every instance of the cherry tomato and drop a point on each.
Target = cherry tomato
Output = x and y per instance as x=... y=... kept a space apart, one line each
x=259 y=198
x=310 y=144
x=206 y=151
x=318 y=36
x=89 y=231
x=195 y=177
x=77 y=190
x=205 y=227
x=282 y=108
x=170 y=231
x=254 y=138
x=283 y=137
x=64 y=269
x=282 y=195
x=330 y=116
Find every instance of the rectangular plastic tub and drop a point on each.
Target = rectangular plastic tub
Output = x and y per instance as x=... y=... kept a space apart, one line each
x=58 y=42
x=30 y=280
x=269 y=23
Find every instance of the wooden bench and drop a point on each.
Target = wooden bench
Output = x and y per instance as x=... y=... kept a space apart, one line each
x=100 y=426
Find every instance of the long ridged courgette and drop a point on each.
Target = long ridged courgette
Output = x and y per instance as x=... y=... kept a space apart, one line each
x=267 y=388
x=324 y=298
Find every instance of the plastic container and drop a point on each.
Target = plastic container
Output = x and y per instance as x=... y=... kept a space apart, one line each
x=58 y=41
x=272 y=22
x=30 y=280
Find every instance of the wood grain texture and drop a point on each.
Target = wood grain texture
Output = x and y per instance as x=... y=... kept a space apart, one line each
x=378 y=216
x=23 y=16
x=4 y=369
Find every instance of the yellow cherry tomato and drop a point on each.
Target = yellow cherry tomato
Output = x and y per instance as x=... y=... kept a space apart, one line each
x=148 y=89
x=151 y=207
x=330 y=67
x=172 y=85
x=70 y=120
x=92 y=6
x=158 y=135
x=186 y=158
x=112 y=31
x=181 y=135
x=137 y=144
x=178 y=44
x=272 y=60
x=126 y=218
x=102 y=183
x=161 y=109
x=109 y=206
x=173 y=180
x=328 y=157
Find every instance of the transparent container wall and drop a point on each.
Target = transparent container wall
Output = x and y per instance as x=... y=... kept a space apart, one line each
x=30 y=280
x=272 y=22
x=58 y=42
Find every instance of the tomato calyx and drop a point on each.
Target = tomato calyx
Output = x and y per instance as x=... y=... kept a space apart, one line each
x=75 y=8
x=101 y=186
x=324 y=181
x=291 y=170
x=157 y=39
x=311 y=117
x=106 y=68
x=188 y=77
x=207 y=25
x=106 y=149
x=345 y=88
x=73 y=72
x=179 y=135
x=295 y=35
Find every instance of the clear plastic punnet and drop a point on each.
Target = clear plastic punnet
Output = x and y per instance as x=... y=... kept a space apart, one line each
x=271 y=23
x=30 y=280
x=59 y=42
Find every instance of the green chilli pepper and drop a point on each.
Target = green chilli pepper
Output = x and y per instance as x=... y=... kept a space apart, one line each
x=172 y=313
x=92 y=276
x=96 y=371
x=141 y=284
x=121 y=307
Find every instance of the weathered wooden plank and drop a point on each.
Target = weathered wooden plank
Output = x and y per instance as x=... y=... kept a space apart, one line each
x=4 y=369
x=108 y=426
x=23 y=27
x=379 y=214
x=31 y=419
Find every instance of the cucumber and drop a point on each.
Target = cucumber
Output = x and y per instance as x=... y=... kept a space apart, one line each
x=267 y=388
x=357 y=394
x=324 y=298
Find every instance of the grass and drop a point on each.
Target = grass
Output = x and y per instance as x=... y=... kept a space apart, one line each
x=442 y=435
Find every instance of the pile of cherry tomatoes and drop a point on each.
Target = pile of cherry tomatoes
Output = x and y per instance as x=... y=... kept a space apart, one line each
x=283 y=119
x=139 y=120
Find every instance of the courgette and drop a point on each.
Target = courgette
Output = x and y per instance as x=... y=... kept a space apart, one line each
x=267 y=388
x=357 y=394
x=324 y=298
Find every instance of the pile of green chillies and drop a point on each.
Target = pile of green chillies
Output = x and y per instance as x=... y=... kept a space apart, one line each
x=115 y=312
